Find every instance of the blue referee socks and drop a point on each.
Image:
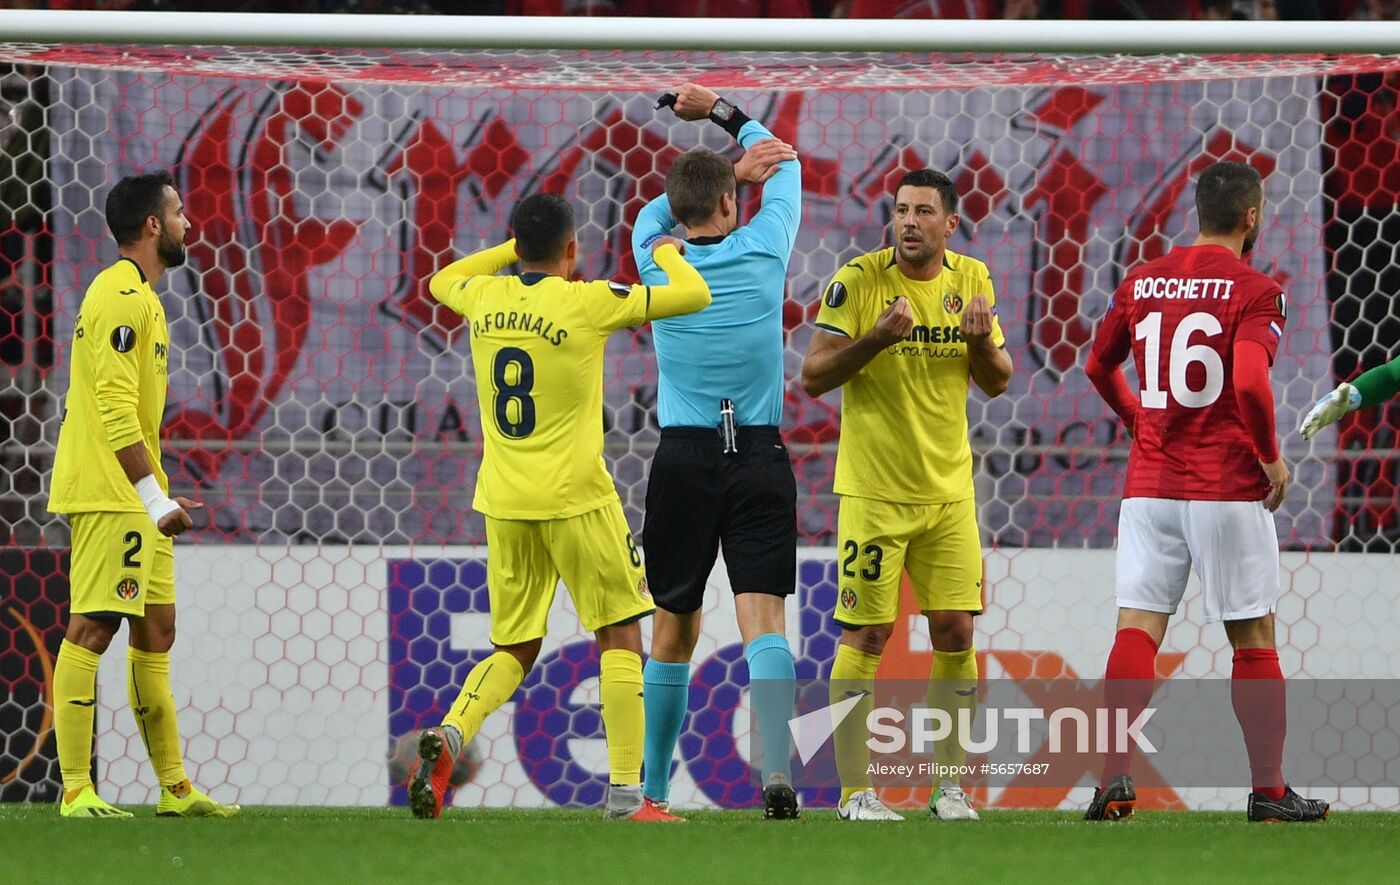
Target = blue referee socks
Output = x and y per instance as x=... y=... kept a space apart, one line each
x=773 y=687
x=666 y=694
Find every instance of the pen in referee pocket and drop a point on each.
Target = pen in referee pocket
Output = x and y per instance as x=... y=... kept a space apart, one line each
x=726 y=426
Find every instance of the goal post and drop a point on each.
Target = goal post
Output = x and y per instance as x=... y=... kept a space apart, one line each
x=322 y=405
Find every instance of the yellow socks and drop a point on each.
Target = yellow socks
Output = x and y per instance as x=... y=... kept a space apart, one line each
x=953 y=688
x=488 y=685
x=853 y=672
x=74 y=705
x=624 y=722
x=148 y=689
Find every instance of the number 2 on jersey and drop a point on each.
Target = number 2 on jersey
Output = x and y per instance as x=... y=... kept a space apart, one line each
x=1183 y=353
x=129 y=559
x=513 y=376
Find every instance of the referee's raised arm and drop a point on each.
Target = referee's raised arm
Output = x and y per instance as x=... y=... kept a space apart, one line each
x=721 y=474
x=773 y=163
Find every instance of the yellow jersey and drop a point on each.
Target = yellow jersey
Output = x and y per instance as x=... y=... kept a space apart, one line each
x=538 y=344
x=116 y=393
x=904 y=415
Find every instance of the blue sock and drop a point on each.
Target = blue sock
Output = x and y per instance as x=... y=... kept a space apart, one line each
x=666 y=694
x=773 y=683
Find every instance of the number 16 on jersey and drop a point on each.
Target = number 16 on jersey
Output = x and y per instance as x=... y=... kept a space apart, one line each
x=1181 y=356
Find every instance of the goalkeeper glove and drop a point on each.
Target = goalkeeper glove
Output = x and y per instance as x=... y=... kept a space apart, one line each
x=1330 y=409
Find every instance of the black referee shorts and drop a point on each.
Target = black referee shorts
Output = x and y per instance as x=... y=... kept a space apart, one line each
x=699 y=498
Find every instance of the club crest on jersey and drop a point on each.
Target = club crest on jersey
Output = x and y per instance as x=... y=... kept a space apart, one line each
x=123 y=339
x=643 y=590
x=835 y=294
x=953 y=303
x=128 y=589
x=848 y=598
x=621 y=290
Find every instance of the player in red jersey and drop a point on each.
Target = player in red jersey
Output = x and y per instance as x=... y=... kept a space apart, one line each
x=1204 y=475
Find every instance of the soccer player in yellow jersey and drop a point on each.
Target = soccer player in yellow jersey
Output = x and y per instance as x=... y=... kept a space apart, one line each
x=551 y=509
x=906 y=330
x=108 y=479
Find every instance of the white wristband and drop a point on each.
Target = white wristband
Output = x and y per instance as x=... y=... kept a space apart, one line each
x=157 y=505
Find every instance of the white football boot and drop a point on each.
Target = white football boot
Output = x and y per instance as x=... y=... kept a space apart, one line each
x=865 y=805
x=951 y=803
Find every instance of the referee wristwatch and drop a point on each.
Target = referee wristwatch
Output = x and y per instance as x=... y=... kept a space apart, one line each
x=728 y=116
x=722 y=111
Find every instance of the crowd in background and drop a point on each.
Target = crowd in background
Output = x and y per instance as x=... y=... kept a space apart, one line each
x=1243 y=10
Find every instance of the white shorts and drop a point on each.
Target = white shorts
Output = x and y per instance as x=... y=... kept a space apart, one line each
x=1232 y=545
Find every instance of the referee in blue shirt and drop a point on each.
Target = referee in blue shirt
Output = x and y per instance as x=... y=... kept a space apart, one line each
x=721 y=474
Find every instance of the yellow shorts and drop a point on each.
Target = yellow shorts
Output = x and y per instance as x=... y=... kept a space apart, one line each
x=121 y=564
x=938 y=544
x=593 y=553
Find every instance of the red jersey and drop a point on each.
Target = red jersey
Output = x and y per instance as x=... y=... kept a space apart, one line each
x=1180 y=316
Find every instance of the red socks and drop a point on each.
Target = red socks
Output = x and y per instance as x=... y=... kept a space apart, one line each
x=1261 y=704
x=1257 y=692
x=1131 y=672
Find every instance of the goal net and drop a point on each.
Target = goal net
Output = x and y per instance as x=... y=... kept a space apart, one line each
x=323 y=408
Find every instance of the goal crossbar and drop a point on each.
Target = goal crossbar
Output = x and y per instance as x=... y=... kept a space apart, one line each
x=836 y=35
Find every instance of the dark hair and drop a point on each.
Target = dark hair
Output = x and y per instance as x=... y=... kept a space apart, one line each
x=947 y=193
x=543 y=224
x=134 y=199
x=1224 y=192
x=695 y=184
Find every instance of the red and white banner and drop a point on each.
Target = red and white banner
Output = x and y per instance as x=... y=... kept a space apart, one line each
x=319 y=393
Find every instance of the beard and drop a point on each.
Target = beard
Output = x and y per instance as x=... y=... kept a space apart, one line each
x=917 y=255
x=170 y=251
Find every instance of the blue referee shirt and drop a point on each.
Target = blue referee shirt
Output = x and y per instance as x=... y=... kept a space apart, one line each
x=734 y=347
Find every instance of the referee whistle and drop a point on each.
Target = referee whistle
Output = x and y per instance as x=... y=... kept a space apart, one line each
x=726 y=426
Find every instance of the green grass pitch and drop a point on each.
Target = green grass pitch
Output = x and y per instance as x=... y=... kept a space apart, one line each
x=350 y=845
